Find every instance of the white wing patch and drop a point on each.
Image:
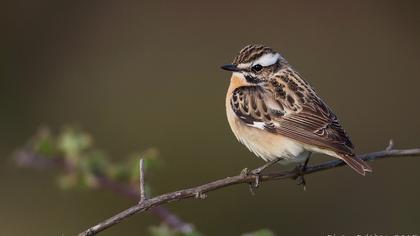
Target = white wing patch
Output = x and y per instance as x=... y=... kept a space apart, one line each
x=267 y=59
x=259 y=125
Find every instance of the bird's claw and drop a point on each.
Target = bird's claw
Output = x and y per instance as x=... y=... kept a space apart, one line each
x=244 y=172
x=301 y=181
x=300 y=175
x=256 y=175
x=254 y=185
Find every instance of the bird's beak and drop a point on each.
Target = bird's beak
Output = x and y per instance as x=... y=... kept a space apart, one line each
x=230 y=67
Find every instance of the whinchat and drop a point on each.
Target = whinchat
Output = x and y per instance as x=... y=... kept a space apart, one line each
x=277 y=115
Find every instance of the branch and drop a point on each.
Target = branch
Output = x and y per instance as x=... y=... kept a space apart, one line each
x=199 y=191
x=28 y=158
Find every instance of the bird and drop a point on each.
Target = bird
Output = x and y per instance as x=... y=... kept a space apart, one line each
x=278 y=115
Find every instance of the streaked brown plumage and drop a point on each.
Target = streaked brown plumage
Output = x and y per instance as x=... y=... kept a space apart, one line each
x=277 y=114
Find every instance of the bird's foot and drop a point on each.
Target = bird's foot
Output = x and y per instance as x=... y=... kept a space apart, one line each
x=300 y=175
x=256 y=173
x=252 y=185
x=244 y=172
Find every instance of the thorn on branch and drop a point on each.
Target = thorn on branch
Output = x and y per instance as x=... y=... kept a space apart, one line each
x=142 y=187
x=390 y=145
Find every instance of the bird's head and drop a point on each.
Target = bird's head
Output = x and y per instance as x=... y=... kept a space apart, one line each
x=256 y=63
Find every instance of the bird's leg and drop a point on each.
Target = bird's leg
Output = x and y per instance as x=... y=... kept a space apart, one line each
x=300 y=170
x=256 y=173
x=265 y=166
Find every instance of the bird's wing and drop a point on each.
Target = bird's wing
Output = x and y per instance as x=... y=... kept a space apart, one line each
x=304 y=118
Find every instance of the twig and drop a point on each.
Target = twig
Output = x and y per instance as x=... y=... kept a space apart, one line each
x=27 y=158
x=142 y=189
x=238 y=179
x=390 y=145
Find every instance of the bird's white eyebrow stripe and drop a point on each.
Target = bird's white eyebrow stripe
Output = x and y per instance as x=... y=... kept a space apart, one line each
x=267 y=59
x=244 y=65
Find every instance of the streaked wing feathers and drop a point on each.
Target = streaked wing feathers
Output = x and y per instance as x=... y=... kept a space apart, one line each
x=313 y=123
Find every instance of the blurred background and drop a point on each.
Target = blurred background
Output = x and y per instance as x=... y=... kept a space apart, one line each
x=139 y=75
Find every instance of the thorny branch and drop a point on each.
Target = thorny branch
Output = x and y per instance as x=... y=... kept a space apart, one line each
x=28 y=158
x=200 y=191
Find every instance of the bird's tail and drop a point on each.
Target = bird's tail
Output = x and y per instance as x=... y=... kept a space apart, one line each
x=356 y=164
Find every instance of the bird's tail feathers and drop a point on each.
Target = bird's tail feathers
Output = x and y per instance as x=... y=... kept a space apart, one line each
x=356 y=164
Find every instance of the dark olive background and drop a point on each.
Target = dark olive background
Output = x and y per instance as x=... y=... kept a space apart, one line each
x=139 y=75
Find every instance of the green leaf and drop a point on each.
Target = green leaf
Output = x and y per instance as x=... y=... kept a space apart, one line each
x=44 y=143
x=94 y=162
x=72 y=142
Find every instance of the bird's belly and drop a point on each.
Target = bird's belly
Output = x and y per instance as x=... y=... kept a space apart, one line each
x=267 y=145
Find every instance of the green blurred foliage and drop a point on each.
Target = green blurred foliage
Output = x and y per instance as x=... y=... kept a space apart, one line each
x=84 y=162
x=43 y=143
x=73 y=143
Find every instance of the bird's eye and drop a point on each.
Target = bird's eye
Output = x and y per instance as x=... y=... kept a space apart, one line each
x=257 y=67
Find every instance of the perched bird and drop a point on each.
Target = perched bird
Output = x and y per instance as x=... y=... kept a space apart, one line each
x=278 y=116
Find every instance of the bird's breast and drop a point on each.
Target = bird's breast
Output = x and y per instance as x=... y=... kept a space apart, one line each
x=266 y=145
